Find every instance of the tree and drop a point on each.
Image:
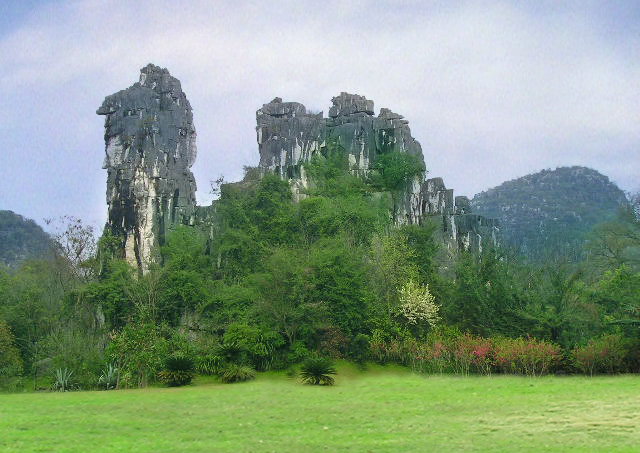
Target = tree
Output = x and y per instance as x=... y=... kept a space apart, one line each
x=32 y=305
x=75 y=246
x=424 y=246
x=484 y=296
x=139 y=351
x=392 y=263
x=418 y=306
x=556 y=304
x=618 y=292
x=338 y=279
x=612 y=244
x=10 y=360
x=283 y=289
x=111 y=293
x=394 y=172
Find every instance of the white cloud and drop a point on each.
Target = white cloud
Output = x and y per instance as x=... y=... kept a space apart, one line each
x=492 y=92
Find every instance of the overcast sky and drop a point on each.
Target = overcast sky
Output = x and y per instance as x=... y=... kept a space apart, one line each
x=492 y=90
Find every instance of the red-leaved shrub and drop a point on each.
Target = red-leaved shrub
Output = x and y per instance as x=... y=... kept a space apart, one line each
x=526 y=356
x=605 y=354
x=450 y=351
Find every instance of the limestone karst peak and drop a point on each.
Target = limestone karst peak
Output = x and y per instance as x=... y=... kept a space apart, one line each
x=150 y=148
x=150 y=145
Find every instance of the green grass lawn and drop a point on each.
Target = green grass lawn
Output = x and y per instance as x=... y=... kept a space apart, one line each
x=383 y=409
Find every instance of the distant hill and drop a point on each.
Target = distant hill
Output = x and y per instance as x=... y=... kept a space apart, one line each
x=21 y=238
x=546 y=214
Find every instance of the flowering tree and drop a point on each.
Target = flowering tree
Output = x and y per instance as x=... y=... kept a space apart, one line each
x=417 y=304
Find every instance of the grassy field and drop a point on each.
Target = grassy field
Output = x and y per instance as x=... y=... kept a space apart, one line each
x=383 y=409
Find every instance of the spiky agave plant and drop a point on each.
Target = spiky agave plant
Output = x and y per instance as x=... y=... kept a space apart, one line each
x=317 y=371
x=109 y=378
x=63 y=382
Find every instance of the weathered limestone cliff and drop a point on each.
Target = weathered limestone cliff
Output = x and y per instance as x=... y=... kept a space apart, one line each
x=288 y=137
x=150 y=145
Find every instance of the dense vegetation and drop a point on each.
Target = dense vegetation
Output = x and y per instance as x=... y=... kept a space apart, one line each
x=280 y=283
x=546 y=215
x=21 y=239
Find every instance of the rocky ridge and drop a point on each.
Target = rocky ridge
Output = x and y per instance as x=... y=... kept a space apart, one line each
x=150 y=146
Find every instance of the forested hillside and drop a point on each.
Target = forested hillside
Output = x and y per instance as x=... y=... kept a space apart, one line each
x=21 y=238
x=546 y=215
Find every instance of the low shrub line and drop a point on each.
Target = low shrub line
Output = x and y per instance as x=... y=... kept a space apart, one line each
x=466 y=353
x=442 y=351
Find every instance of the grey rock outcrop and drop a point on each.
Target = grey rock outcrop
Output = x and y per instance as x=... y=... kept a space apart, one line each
x=150 y=146
x=289 y=136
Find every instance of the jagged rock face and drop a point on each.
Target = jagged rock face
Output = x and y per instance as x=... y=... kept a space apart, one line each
x=150 y=145
x=289 y=136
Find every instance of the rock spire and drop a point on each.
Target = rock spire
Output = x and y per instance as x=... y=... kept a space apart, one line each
x=150 y=146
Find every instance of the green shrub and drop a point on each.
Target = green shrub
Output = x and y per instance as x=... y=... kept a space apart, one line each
x=257 y=344
x=178 y=370
x=601 y=355
x=232 y=352
x=395 y=170
x=76 y=348
x=317 y=371
x=333 y=344
x=139 y=351
x=298 y=352
x=237 y=373
x=10 y=361
x=209 y=364
x=291 y=372
x=64 y=381
x=108 y=380
x=359 y=348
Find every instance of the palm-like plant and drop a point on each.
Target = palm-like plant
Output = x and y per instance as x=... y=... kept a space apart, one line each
x=179 y=370
x=237 y=373
x=318 y=371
